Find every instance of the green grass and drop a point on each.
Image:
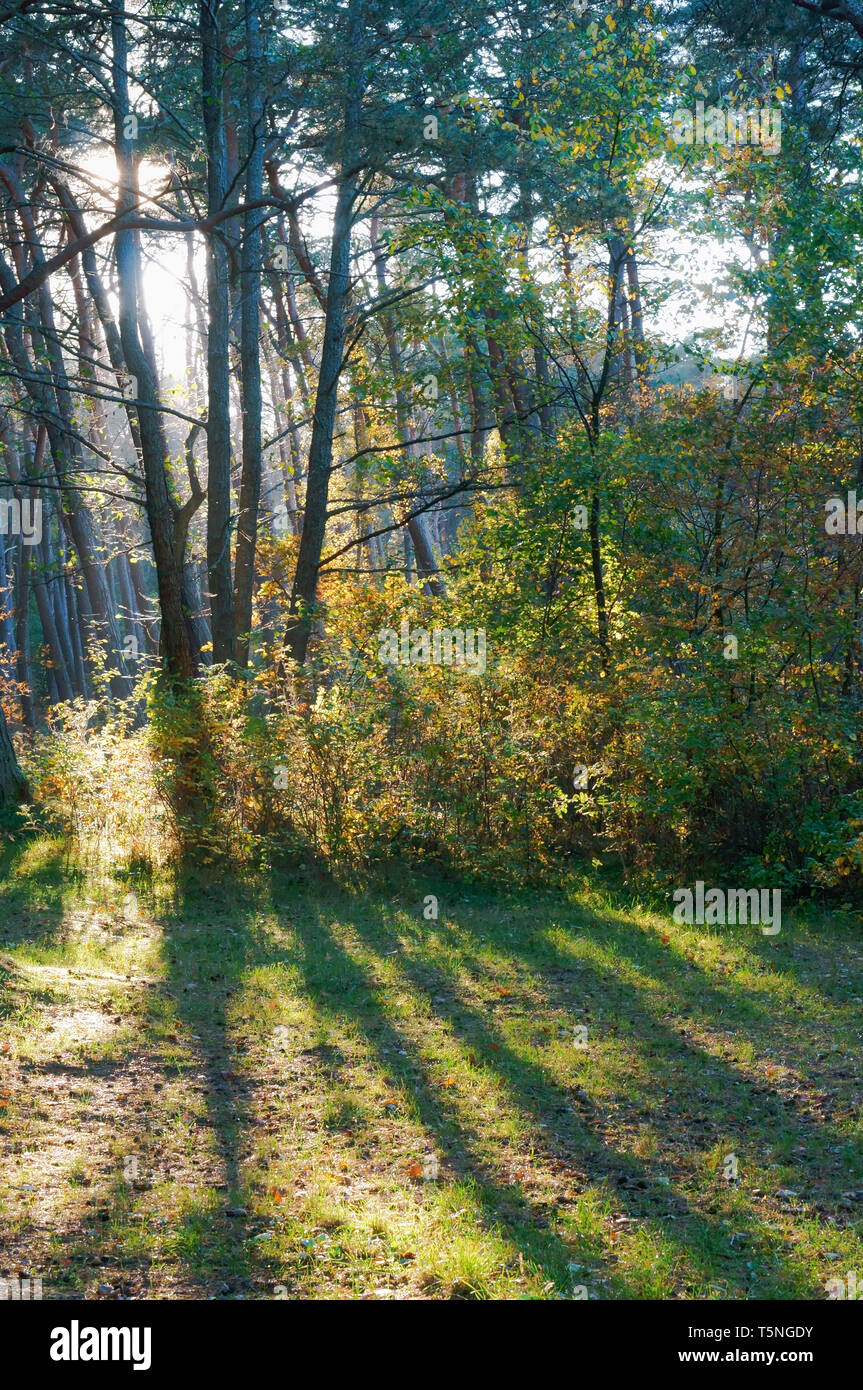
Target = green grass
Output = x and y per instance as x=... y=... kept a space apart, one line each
x=289 y=1089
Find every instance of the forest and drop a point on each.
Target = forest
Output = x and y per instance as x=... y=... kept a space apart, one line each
x=431 y=649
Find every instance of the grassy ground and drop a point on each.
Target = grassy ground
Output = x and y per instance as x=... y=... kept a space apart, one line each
x=292 y=1090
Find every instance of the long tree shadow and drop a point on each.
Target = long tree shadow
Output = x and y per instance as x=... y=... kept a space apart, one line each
x=657 y=1037
x=172 y=1070
x=709 y=1004
x=407 y=1070
x=638 y=1185
x=324 y=966
x=34 y=889
x=214 y=935
x=528 y=1081
x=204 y=966
x=41 y=904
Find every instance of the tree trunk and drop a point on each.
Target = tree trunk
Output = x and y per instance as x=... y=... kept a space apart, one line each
x=51 y=638
x=13 y=786
x=22 y=634
x=250 y=350
x=218 y=325
x=335 y=321
x=7 y=626
x=174 y=635
x=54 y=408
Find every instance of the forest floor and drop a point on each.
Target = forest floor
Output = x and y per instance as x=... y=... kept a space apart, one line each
x=287 y=1089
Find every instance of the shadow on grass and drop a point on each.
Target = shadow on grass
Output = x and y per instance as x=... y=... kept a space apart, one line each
x=343 y=991
x=579 y=1139
x=213 y=937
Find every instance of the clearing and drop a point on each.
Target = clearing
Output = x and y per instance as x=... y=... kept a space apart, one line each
x=283 y=1088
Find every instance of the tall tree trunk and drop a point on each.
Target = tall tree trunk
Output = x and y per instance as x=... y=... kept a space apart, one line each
x=636 y=311
x=129 y=605
x=218 y=326
x=7 y=608
x=42 y=567
x=174 y=635
x=62 y=618
x=481 y=412
x=250 y=351
x=54 y=408
x=22 y=634
x=289 y=466
x=599 y=582
x=335 y=322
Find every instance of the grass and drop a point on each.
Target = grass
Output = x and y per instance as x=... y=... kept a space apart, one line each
x=284 y=1088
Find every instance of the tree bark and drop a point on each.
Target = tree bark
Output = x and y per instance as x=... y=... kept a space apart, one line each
x=174 y=634
x=305 y=585
x=250 y=351
x=55 y=412
x=218 y=325
x=13 y=785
